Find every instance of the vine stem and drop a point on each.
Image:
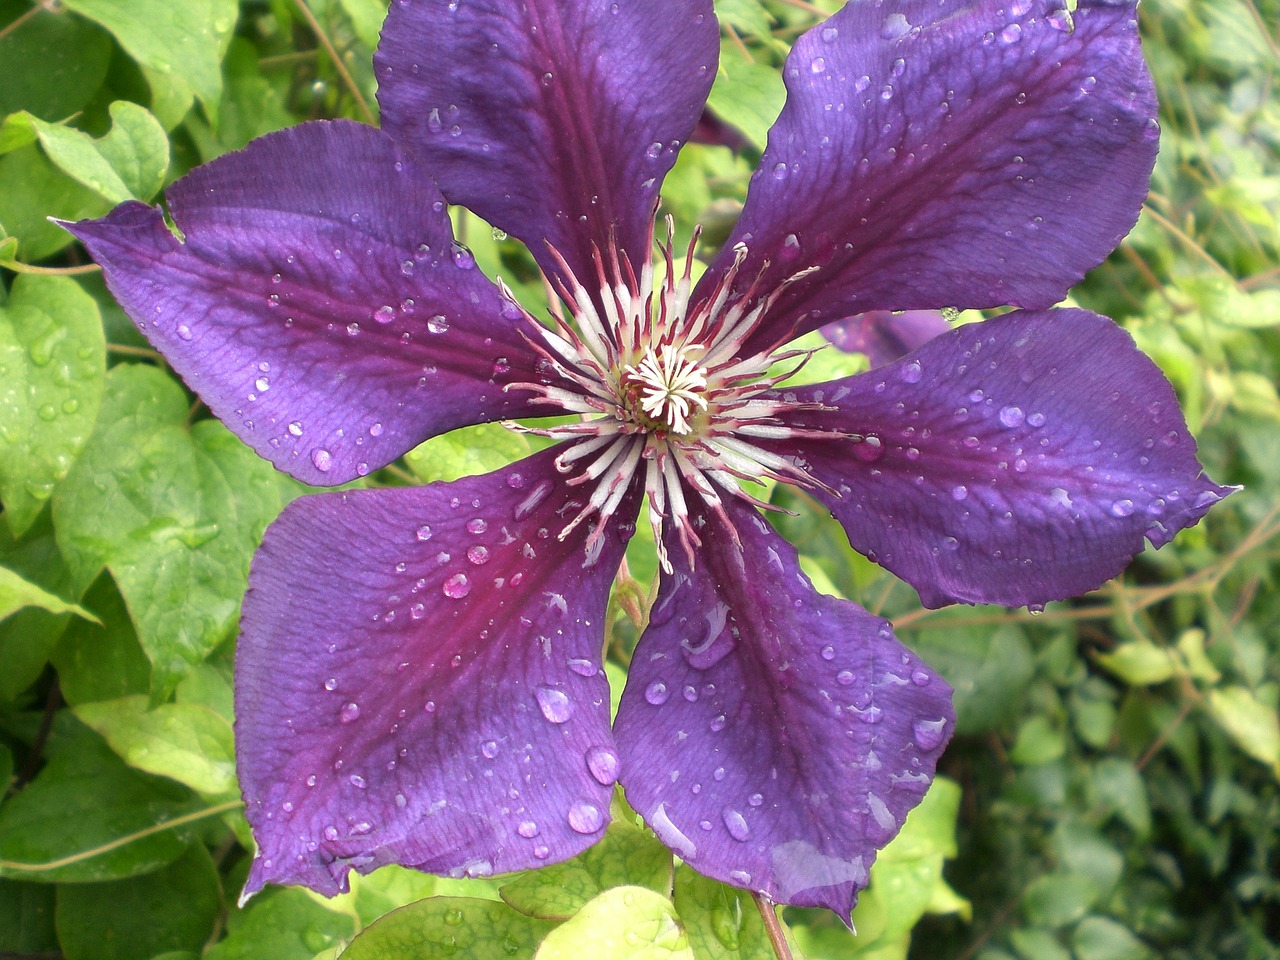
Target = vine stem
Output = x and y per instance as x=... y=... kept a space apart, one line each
x=773 y=926
x=214 y=811
x=325 y=42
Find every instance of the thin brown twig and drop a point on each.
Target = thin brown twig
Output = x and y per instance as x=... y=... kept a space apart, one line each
x=329 y=49
x=20 y=20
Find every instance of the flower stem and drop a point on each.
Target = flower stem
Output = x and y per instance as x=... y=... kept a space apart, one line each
x=777 y=936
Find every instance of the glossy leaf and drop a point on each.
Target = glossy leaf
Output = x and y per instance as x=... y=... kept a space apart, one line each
x=441 y=927
x=624 y=923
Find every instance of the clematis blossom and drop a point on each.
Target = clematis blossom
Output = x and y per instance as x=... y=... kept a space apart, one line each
x=419 y=669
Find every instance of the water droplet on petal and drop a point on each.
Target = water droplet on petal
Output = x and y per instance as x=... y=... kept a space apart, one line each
x=489 y=748
x=603 y=764
x=527 y=829
x=735 y=823
x=438 y=324
x=828 y=652
x=424 y=532
x=585 y=818
x=929 y=734
x=322 y=459
x=583 y=668
x=656 y=693
x=1122 y=508
x=350 y=711
x=912 y=372
x=554 y=704
x=478 y=554
x=477 y=525
x=357 y=781
x=1011 y=416
x=184 y=332
x=457 y=586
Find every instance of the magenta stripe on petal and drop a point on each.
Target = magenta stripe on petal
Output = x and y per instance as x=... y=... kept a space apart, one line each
x=317 y=302
x=419 y=682
x=773 y=737
x=1014 y=461
x=966 y=154
x=555 y=120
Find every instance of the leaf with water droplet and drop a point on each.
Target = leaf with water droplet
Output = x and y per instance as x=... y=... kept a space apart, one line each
x=623 y=923
x=626 y=854
x=723 y=922
x=174 y=514
x=284 y=924
x=52 y=355
x=450 y=926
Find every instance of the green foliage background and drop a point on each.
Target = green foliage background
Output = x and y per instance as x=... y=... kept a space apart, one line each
x=1112 y=791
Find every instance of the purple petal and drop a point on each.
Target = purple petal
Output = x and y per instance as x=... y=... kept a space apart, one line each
x=318 y=304
x=1014 y=461
x=418 y=681
x=968 y=153
x=884 y=336
x=773 y=737
x=554 y=121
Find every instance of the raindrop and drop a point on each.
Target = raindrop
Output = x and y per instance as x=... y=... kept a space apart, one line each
x=489 y=748
x=386 y=313
x=718 y=723
x=357 y=781
x=755 y=799
x=424 y=532
x=184 y=332
x=735 y=823
x=350 y=711
x=262 y=384
x=912 y=372
x=603 y=764
x=438 y=324
x=828 y=652
x=920 y=677
x=462 y=257
x=331 y=684
x=331 y=832
x=535 y=497
x=554 y=704
x=295 y=428
x=929 y=734
x=780 y=171
x=583 y=668
x=869 y=450
x=1036 y=420
x=1122 y=508
x=457 y=586
x=585 y=818
x=527 y=829
x=959 y=492
x=818 y=65
x=654 y=151
x=894 y=27
x=845 y=677
x=1011 y=416
x=478 y=554
x=352 y=330
x=656 y=693
x=322 y=459
x=477 y=525
x=1011 y=33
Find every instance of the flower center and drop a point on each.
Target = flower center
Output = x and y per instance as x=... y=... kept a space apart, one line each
x=664 y=392
x=667 y=386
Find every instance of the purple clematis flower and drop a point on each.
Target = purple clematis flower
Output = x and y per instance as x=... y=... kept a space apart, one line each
x=419 y=672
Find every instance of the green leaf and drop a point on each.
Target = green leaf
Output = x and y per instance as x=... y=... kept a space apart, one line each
x=1099 y=938
x=1141 y=663
x=989 y=671
x=46 y=192
x=282 y=924
x=16 y=593
x=174 y=908
x=29 y=636
x=101 y=661
x=746 y=94
x=128 y=162
x=178 y=45
x=625 y=855
x=1056 y=899
x=53 y=64
x=722 y=922
x=467 y=452
x=745 y=16
x=625 y=923
x=174 y=514
x=88 y=817
x=366 y=19
x=188 y=743
x=52 y=369
x=1253 y=726
x=449 y=927
x=26 y=918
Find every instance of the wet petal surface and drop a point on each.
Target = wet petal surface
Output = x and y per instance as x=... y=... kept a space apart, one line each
x=773 y=737
x=555 y=121
x=419 y=682
x=318 y=304
x=1014 y=461
x=972 y=153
